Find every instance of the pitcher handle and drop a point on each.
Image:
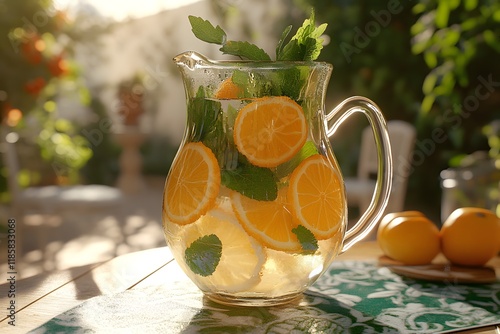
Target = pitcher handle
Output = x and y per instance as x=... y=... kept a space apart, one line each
x=383 y=184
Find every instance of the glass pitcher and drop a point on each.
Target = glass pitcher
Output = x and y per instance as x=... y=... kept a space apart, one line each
x=254 y=205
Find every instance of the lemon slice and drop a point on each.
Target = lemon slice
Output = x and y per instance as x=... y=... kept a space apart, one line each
x=241 y=259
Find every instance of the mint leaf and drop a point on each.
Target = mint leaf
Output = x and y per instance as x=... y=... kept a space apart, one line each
x=255 y=182
x=305 y=152
x=284 y=35
x=306 y=238
x=253 y=84
x=306 y=44
x=244 y=50
x=205 y=31
x=203 y=255
x=311 y=50
x=204 y=117
x=292 y=82
x=292 y=51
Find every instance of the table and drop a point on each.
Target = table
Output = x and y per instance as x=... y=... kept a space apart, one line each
x=40 y=298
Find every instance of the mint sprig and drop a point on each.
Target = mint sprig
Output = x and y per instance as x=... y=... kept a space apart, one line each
x=205 y=114
x=305 y=45
x=205 y=31
x=203 y=255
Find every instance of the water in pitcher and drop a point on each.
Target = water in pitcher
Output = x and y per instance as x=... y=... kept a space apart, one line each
x=255 y=206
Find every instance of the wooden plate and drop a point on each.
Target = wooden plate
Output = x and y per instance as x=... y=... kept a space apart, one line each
x=443 y=272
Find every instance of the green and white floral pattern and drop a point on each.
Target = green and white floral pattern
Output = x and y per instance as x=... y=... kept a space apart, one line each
x=352 y=297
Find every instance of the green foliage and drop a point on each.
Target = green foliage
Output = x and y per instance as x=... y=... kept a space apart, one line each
x=61 y=144
x=492 y=132
x=37 y=69
x=461 y=87
x=102 y=167
x=370 y=49
x=422 y=62
x=25 y=55
x=455 y=39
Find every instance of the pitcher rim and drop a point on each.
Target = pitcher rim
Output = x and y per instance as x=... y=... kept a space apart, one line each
x=250 y=63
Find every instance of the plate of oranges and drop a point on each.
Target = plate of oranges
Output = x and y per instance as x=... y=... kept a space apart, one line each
x=461 y=250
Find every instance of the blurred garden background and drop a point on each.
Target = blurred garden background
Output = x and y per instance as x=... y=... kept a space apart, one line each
x=66 y=68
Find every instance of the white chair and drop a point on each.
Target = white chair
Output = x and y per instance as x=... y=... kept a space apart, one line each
x=50 y=200
x=359 y=190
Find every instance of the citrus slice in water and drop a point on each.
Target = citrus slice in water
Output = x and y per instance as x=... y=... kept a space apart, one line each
x=241 y=258
x=270 y=130
x=192 y=184
x=270 y=222
x=316 y=196
x=228 y=90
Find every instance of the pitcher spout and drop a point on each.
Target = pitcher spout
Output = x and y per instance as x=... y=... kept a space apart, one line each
x=191 y=60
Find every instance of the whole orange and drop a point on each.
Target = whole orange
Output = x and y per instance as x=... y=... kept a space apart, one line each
x=470 y=236
x=389 y=218
x=411 y=240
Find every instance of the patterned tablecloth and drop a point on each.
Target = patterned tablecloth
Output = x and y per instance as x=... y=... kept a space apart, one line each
x=352 y=297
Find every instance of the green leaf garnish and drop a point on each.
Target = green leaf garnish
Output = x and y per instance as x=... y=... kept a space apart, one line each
x=255 y=182
x=305 y=45
x=306 y=238
x=203 y=255
x=287 y=167
x=244 y=50
x=255 y=84
x=205 y=31
x=205 y=115
x=284 y=35
x=291 y=51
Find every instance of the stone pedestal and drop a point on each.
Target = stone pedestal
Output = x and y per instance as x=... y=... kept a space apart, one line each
x=130 y=138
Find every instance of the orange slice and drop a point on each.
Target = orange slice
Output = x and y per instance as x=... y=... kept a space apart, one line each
x=228 y=90
x=316 y=196
x=269 y=222
x=270 y=130
x=192 y=184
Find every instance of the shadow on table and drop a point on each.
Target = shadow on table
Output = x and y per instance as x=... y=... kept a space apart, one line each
x=315 y=312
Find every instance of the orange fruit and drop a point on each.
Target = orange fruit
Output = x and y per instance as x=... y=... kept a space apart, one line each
x=269 y=222
x=470 y=236
x=316 y=196
x=192 y=184
x=382 y=227
x=270 y=130
x=228 y=90
x=411 y=240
